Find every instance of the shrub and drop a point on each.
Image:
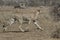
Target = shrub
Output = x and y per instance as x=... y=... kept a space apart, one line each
x=56 y=34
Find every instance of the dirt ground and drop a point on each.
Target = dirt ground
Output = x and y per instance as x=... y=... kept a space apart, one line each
x=45 y=21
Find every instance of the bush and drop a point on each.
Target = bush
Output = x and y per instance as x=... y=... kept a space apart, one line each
x=56 y=13
x=56 y=34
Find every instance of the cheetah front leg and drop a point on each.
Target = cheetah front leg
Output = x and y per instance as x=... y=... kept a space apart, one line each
x=39 y=27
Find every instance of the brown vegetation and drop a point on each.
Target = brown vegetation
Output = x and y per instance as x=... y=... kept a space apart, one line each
x=45 y=21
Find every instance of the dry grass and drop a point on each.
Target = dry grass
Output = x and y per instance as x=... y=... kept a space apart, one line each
x=45 y=21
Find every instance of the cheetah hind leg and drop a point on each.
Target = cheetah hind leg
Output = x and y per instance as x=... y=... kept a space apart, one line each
x=4 y=29
x=22 y=30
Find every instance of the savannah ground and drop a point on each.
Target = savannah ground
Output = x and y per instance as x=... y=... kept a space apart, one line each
x=45 y=21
